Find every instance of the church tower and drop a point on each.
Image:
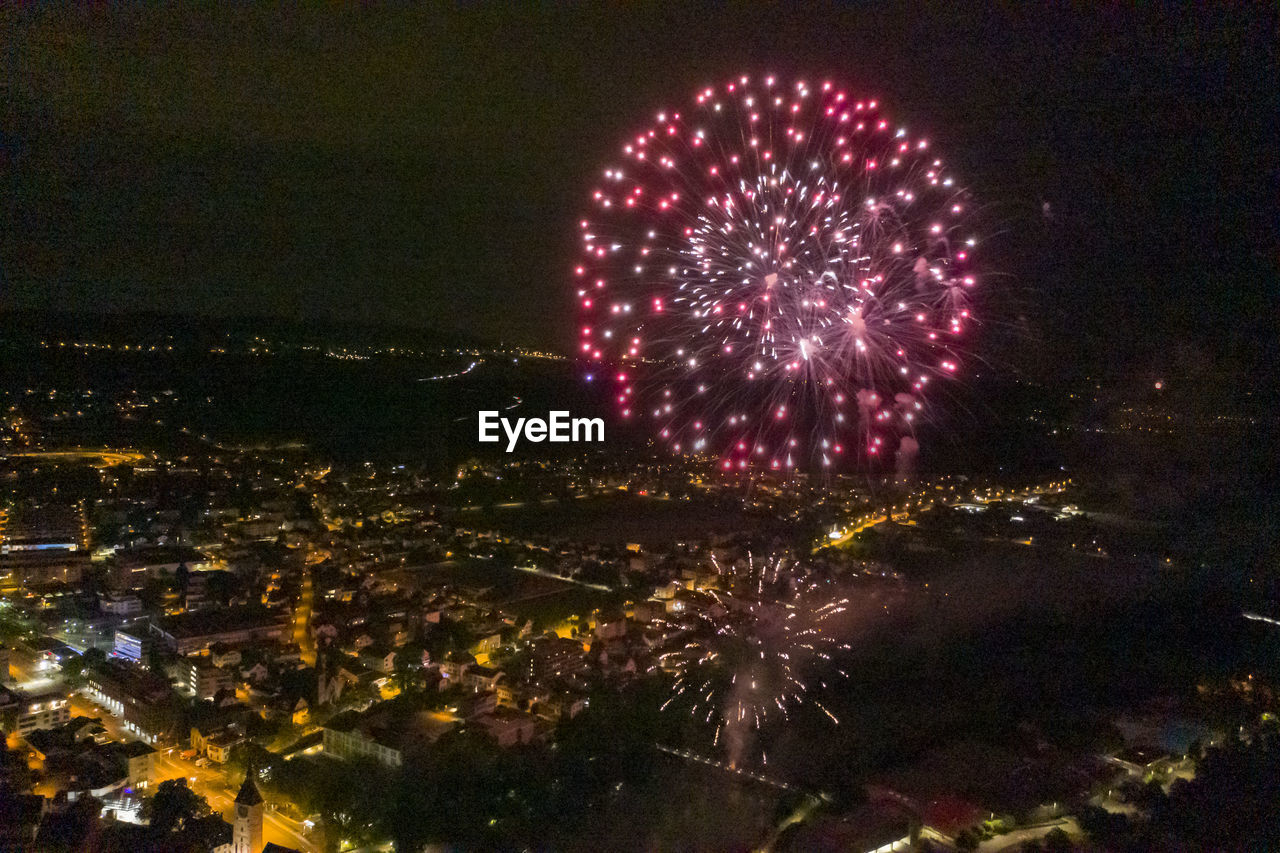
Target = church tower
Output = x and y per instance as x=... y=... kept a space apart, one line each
x=246 y=830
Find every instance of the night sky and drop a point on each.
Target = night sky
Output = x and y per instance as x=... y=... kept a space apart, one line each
x=427 y=167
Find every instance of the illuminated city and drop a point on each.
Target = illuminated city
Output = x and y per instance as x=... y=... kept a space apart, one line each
x=660 y=427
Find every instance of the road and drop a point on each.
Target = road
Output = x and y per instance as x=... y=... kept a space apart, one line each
x=864 y=524
x=26 y=672
x=926 y=501
x=210 y=783
x=105 y=458
x=534 y=570
x=302 y=620
x=83 y=706
x=801 y=813
x=1012 y=840
x=542 y=502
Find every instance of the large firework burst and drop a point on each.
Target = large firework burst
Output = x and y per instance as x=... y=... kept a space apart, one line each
x=753 y=651
x=775 y=275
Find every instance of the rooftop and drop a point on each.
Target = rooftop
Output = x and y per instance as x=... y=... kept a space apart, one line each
x=395 y=726
x=249 y=794
x=202 y=623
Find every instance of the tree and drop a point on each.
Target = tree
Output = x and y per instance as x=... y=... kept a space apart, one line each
x=355 y=812
x=1151 y=797
x=152 y=592
x=408 y=667
x=1233 y=795
x=74 y=672
x=249 y=754
x=1057 y=841
x=70 y=829
x=13 y=766
x=966 y=839
x=93 y=657
x=173 y=805
x=1103 y=826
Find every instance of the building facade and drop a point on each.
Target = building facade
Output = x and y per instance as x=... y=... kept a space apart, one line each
x=41 y=711
x=246 y=827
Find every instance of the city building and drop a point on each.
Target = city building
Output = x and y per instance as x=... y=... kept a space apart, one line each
x=141 y=761
x=22 y=569
x=224 y=655
x=481 y=679
x=196 y=595
x=203 y=679
x=42 y=544
x=121 y=605
x=45 y=527
x=378 y=658
x=45 y=710
x=216 y=739
x=508 y=727
x=51 y=653
x=870 y=829
x=140 y=699
x=132 y=567
x=246 y=827
x=133 y=644
x=218 y=747
x=187 y=633
x=383 y=735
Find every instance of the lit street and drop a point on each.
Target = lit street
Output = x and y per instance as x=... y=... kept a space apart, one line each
x=211 y=783
x=302 y=621
x=1011 y=841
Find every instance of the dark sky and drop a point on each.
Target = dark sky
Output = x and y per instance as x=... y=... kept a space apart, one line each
x=426 y=167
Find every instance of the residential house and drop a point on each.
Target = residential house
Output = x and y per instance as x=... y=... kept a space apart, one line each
x=218 y=747
x=222 y=655
x=378 y=658
x=481 y=679
x=507 y=727
x=256 y=673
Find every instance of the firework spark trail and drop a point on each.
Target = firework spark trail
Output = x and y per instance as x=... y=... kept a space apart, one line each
x=775 y=275
x=1258 y=617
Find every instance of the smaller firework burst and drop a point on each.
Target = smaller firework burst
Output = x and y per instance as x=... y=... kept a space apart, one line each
x=766 y=630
